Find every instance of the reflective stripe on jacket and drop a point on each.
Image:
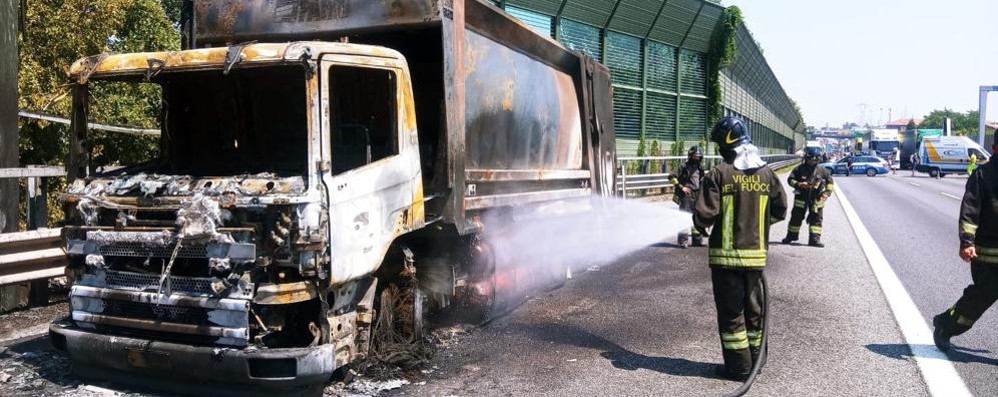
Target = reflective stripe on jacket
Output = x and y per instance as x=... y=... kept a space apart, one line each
x=740 y=206
x=979 y=212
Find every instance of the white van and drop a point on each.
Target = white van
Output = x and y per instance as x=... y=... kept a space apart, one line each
x=945 y=155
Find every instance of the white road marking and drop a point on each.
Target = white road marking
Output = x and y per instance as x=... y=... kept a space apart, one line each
x=949 y=195
x=914 y=184
x=939 y=374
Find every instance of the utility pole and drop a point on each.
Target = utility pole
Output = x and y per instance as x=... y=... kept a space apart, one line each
x=8 y=113
x=982 y=114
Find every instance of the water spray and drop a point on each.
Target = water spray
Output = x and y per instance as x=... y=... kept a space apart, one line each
x=534 y=250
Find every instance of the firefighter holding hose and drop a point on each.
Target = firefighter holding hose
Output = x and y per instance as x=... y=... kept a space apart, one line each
x=739 y=199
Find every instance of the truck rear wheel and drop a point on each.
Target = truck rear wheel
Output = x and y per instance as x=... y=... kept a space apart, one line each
x=934 y=173
x=397 y=335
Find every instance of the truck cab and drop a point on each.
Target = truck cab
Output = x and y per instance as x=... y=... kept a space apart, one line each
x=223 y=241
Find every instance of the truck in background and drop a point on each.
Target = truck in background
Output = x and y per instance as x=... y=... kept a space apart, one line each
x=880 y=142
x=909 y=143
x=944 y=155
x=347 y=149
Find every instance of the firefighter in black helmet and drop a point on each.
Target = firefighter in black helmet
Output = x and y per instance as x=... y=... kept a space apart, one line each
x=739 y=199
x=686 y=181
x=812 y=187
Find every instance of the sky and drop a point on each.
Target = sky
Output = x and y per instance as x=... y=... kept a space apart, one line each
x=906 y=57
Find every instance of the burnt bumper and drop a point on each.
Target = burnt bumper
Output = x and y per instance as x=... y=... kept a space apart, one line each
x=281 y=369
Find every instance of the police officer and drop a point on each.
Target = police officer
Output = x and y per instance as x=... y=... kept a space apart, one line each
x=979 y=246
x=812 y=187
x=687 y=184
x=739 y=199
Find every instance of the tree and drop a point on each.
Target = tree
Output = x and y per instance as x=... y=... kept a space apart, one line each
x=965 y=123
x=58 y=32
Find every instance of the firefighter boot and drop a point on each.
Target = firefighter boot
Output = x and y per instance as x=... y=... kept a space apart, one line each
x=755 y=356
x=815 y=241
x=722 y=372
x=939 y=334
x=683 y=240
x=736 y=367
x=697 y=240
x=947 y=325
x=790 y=238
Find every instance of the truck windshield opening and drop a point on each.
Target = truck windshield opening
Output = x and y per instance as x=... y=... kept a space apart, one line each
x=249 y=121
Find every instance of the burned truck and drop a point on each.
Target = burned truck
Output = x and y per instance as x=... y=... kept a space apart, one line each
x=311 y=155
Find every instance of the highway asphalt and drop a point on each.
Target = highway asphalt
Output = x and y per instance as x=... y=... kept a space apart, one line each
x=646 y=326
x=914 y=221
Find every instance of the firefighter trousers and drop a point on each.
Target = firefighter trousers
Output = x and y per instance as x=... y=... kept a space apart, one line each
x=812 y=208
x=976 y=299
x=739 y=301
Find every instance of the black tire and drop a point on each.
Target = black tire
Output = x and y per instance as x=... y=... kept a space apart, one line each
x=871 y=172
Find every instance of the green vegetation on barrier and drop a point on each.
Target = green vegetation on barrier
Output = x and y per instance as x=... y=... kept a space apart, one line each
x=655 y=151
x=723 y=48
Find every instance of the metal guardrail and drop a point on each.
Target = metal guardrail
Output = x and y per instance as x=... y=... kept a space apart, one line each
x=644 y=182
x=32 y=255
x=37 y=192
x=29 y=259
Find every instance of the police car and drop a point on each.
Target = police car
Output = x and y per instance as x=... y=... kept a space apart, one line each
x=861 y=164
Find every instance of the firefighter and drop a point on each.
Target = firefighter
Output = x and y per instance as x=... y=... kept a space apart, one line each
x=739 y=199
x=812 y=187
x=979 y=246
x=687 y=184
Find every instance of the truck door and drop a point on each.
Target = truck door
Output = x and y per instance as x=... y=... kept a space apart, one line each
x=374 y=189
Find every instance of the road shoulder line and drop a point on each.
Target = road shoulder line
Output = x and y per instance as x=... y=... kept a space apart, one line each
x=949 y=195
x=938 y=372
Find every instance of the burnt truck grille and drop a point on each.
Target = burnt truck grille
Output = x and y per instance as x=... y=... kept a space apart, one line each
x=158 y=245
x=142 y=250
x=131 y=303
x=197 y=286
x=147 y=311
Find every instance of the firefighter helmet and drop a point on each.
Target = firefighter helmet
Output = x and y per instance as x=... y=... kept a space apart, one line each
x=812 y=153
x=694 y=151
x=729 y=133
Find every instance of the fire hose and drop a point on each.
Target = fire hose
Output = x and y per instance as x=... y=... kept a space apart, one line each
x=761 y=358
